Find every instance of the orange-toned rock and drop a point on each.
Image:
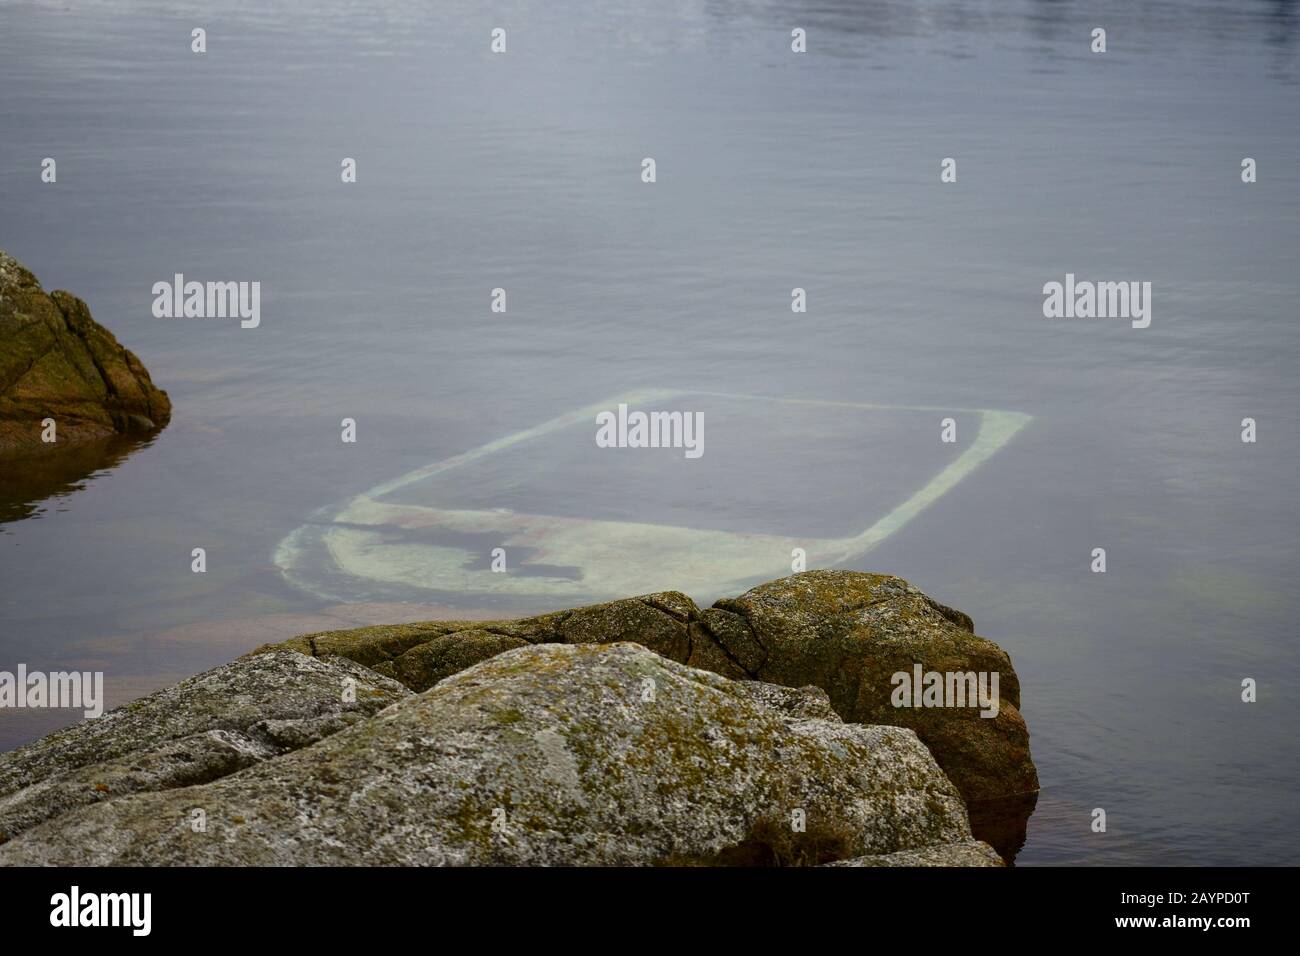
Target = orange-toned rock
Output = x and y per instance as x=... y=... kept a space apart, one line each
x=56 y=362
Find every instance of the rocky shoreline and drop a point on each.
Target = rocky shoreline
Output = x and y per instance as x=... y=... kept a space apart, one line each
x=645 y=731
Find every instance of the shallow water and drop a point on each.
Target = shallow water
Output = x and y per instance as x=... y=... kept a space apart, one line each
x=774 y=171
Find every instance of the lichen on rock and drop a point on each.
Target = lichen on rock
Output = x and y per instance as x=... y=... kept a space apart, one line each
x=544 y=754
x=847 y=632
x=204 y=728
x=971 y=853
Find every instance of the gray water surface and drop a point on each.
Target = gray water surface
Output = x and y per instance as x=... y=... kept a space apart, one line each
x=775 y=170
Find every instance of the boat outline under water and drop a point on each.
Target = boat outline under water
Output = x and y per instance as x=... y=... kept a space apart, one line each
x=611 y=558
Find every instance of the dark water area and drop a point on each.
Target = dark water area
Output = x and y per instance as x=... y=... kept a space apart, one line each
x=775 y=171
x=36 y=485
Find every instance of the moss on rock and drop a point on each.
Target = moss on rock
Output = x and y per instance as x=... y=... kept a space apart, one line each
x=57 y=362
x=544 y=754
x=846 y=632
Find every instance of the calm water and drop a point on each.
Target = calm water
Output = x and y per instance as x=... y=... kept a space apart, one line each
x=774 y=171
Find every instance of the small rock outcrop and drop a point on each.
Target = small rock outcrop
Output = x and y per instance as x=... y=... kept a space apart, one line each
x=543 y=754
x=849 y=633
x=57 y=362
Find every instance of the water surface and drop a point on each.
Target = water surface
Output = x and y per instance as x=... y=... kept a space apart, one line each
x=774 y=171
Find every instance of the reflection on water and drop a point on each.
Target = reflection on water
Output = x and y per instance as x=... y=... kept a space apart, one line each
x=1003 y=824
x=32 y=485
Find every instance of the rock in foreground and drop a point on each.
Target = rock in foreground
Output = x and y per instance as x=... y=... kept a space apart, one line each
x=971 y=853
x=551 y=754
x=849 y=633
x=57 y=362
x=846 y=632
x=203 y=728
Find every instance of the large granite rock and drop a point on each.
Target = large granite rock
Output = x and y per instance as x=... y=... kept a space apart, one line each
x=543 y=754
x=201 y=729
x=846 y=632
x=57 y=362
